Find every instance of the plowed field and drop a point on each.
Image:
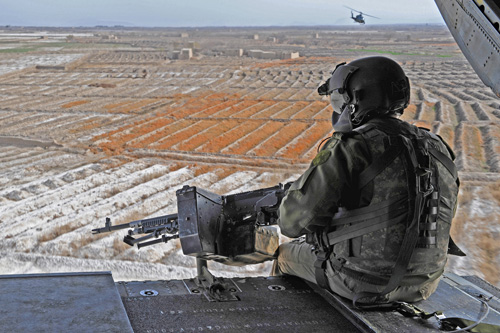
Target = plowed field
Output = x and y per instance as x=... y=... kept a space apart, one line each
x=115 y=130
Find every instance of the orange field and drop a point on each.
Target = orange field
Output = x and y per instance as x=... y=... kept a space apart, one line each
x=223 y=124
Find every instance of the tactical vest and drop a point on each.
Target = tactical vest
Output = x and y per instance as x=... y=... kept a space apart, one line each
x=404 y=230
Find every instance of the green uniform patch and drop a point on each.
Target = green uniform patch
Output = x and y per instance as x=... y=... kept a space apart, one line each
x=322 y=157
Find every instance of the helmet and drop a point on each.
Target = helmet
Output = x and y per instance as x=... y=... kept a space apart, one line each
x=367 y=88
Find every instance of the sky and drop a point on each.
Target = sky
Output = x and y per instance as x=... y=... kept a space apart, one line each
x=203 y=13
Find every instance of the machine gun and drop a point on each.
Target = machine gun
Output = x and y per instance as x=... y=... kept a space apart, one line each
x=214 y=227
x=153 y=228
x=234 y=229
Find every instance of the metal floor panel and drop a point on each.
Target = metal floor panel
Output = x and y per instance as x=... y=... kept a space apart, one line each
x=65 y=302
x=92 y=302
x=288 y=304
x=266 y=304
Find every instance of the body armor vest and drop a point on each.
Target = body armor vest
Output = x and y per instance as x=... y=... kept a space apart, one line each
x=404 y=230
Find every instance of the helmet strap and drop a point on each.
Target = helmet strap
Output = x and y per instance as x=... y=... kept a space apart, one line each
x=343 y=122
x=357 y=119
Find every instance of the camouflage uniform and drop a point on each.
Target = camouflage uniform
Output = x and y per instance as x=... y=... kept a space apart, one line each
x=330 y=185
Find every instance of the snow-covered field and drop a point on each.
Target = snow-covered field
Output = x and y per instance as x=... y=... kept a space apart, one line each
x=11 y=64
x=47 y=222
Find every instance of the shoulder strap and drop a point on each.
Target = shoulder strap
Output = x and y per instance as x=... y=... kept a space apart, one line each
x=438 y=137
x=447 y=162
x=364 y=128
x=382 y=162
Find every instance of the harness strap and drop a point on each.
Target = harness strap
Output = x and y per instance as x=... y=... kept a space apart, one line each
x=344 y=216
x=363 y=228
x=411 y=234
x=447 y=162
x=379 y=165
x=406 y=251
x=320 y=269
x=362 y=222
x=365 y=220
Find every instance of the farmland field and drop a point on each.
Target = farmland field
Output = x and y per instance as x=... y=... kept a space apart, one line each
x=109 y=124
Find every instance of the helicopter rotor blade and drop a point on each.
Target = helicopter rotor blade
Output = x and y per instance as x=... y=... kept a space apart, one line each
x=363 y=14
x=371 y=16
x=357 y=11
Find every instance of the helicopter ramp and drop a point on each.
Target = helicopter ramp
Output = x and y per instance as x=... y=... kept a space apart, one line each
x=61 y=302
x=93 y=302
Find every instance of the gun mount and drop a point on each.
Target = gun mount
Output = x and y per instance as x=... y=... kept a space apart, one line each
x=213 y=227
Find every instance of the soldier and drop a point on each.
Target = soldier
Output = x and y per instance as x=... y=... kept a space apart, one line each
x=374 y=209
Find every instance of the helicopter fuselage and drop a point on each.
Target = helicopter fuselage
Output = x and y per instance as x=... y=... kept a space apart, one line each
x=358 y=18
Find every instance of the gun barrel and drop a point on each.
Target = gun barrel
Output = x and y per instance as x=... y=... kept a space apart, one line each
x=108 y=227
x=142 y=226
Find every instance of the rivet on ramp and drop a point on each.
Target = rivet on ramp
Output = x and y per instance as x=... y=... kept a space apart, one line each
x=276 y=287
x=149 y=292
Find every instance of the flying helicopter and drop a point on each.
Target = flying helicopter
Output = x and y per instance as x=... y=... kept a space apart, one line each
x=359 y=18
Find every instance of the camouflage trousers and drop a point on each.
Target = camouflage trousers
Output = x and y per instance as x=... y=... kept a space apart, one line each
x=297 y=258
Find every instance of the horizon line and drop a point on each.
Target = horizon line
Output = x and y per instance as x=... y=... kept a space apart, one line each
x=222 y=26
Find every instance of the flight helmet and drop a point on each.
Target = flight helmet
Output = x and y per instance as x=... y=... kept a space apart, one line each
x=366 y=88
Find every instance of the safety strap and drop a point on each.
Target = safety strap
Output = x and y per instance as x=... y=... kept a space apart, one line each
x=399 y=271
x=457 y=324
x=406 y=309
x=454 y=324
x=322 y=257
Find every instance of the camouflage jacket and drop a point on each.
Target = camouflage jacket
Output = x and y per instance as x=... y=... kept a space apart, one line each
x=331 y=183
x=327 y=184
